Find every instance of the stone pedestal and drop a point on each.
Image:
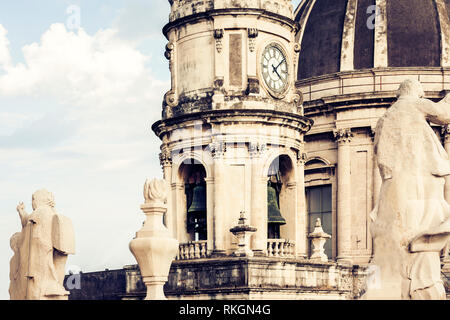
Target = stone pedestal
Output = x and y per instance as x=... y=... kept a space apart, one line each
x=318 y=238
x=242 y=232
x=153 y=247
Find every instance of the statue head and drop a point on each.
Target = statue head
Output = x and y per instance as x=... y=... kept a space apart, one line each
x=410 y=88
x=42 y=198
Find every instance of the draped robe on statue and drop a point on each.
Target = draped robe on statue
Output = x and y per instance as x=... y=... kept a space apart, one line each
x=412 y=219
x=41 y=249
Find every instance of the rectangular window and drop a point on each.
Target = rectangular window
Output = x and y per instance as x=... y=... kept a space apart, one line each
x=318 y=200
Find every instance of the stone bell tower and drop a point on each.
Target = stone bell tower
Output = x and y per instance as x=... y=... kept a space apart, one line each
x=232 y=133
x=232 y=114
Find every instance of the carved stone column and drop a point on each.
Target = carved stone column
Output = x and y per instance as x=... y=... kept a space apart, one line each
x=301 y=238
x=343 y=138
x=153 y=247
x=258 y=216
x=218 y=150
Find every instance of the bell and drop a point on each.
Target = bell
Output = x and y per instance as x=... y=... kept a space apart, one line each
x=274 y=214
x=198 y=204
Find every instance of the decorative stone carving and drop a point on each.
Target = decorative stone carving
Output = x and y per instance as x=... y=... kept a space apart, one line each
x=297 y=98
x=169 y=48
x=218 y=35
x=343 y=135
x=242 y=232
x=318 y=238
x=153 y=247
x=411 y=221
x=256 y=149
x=165 y=158
x=217 y=149
x=252 y=35
x=40 y=251
x=302 y=157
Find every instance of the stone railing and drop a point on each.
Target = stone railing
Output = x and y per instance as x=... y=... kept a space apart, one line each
x=280 y=248
x=192 y=250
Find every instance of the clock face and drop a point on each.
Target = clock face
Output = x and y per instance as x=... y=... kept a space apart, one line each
x=274 y=67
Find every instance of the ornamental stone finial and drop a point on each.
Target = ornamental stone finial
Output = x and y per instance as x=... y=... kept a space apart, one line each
x=153 y=247
x=318 y=238
x=155 y=192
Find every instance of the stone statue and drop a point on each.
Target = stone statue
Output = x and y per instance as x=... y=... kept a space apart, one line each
x=40 y=251
x=411 y=222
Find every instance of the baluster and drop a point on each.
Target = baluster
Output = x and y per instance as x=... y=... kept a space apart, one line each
x=276 y=248
x=269 y=248
x=197 y=250
x=183 y=251
x=203 y=253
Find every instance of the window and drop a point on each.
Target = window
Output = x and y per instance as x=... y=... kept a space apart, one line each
x=318 y=200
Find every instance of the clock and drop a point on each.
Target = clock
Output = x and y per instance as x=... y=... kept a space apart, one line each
x=274 y=69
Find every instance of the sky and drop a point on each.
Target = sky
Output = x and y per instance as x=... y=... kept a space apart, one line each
x=81 y=83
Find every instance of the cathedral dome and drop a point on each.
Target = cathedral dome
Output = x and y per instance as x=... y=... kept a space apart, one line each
x=341 y=35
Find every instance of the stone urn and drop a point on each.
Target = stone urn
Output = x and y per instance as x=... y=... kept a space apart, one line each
x=242 y=232
x=153 y=247
x=318 y=238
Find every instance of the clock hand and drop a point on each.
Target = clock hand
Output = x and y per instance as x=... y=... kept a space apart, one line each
x=280 y=63
x=275 y=70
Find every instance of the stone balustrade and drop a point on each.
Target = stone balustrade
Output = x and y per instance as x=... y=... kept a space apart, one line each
x=280 y=248
x=192 y=250
x=372 y=83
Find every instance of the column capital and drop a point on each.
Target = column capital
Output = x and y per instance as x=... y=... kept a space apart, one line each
x=165 y=158
x=343 y=135
x=302 y=157
x=217 y=149
x=256 y=149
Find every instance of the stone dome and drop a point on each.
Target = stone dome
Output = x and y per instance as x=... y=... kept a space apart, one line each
x=336 y=35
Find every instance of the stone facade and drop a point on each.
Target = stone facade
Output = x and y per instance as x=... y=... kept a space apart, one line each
x=223 y=126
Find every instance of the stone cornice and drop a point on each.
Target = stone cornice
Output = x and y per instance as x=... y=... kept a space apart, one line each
x=286 y=119
x=210 y=14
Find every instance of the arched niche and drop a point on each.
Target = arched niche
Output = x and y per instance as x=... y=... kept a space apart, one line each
x=281 y=177
x=193 y=197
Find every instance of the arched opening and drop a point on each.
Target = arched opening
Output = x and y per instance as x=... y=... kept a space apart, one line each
x=193 y=176
x=280 y=197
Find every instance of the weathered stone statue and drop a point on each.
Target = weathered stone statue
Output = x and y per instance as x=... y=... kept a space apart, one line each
x=40 y=251
x=411 y=222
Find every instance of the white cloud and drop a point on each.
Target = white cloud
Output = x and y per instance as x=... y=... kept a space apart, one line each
x=78 y=69
x=5 y=57
x=84 y=136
